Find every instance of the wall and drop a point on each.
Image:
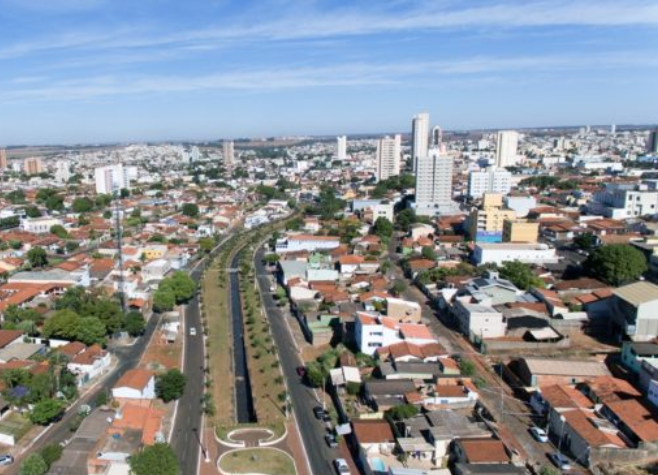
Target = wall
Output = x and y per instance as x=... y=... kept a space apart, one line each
x=499 y=345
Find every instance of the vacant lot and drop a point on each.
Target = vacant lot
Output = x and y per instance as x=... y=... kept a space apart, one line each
x=16 y=425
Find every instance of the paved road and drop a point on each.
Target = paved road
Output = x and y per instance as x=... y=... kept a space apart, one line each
x=303 y=398
x=128 y=357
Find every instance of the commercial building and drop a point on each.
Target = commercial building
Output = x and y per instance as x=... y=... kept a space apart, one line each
x=624 y=200
x=39 y=225
x=434 y=184
x=111 y=179
x=635 y=311
x=515 y=230
x=389 y=150
x=521 y=204
x=306 y=242
x=652 y=142
x=499 y=253
x=341 y=148
x=32 y=166
x=477 y=320
x=228 y=153
x=489 y=181
x=420 y=131
x=507 y=144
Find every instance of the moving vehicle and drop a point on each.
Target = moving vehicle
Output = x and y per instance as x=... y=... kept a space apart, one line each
x=560 y=461
x=341 y=466
x=192 y=331
x=301 y=371
x=319 y=412
x=539 y=434
x=6 y=460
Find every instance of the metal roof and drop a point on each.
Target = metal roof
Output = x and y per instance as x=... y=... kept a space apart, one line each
x=638 y=293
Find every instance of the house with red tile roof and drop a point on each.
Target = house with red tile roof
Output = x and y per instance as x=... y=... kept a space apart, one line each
x=135 y=385
x=89 y=363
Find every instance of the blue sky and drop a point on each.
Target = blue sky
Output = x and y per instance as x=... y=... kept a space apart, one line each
x=84 y=71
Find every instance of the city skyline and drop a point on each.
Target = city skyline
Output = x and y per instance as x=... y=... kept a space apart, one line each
x=100 y=71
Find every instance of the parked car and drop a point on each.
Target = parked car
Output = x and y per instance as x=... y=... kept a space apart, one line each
x=560 y=461
x=539 y=434
x=192 y=331
x=6 y=460
x=341 y=466
x=319 y=412
x=301 y=371
x=331 y=440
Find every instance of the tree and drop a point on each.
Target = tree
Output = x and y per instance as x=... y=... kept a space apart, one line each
x=467 y=367
x=134 y=323
x=190 y=209
x=46 y=411
x=164 y=300
x=181 y=285
x=428 y=253
x=51 y=453
x=37 y=257
x=59 y=231
x=16 y=197
x=521 y=275
x=124 y=193
x=314 y=374
x=584 y=241
x=383 y=228
x=170 y=385
x=616 y=264
x=32 y=211
x=158 y=458
x=63 y=324
x=399 y=286
x=90 y=330
x=55 y=203
x=271 y=258
x=34 y=464
x=329 y=203
x=82 y=205
x=206 y=244
x=404 y=411
x=546 y=470
x=405 y=218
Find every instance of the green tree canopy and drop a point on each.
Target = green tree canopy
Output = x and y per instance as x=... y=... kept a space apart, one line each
x=158 y=458
x=135 y=323
x=616 y=264
x=190 y=209
x=34 y=464
x=585 y=241
x=383 y=228
x=82 y=205
x=402 y=412
x=428 y=252
x=405 y=218
x=46 y=411
x=521 y=275
x=206 y=244
x=164 y=299
x=59 y=231
x=37 y=257
x=32 y=211
x=170 y=386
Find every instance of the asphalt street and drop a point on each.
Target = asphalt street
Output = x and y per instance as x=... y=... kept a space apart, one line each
x=303 y=398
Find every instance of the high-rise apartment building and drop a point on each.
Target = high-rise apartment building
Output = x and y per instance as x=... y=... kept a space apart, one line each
x=228 y=152
x=389 y=150
x=195 y=154
x=437 y=137
x=420 y=130
x=494 y=180
x=111 y=179
x=341 y=148
x=3 y=159
x=507 y=146
x=652 y=143
x=32 y=166
x=62 y=171
x=434 y=184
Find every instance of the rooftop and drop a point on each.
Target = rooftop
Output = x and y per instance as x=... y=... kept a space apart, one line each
x=638 y=293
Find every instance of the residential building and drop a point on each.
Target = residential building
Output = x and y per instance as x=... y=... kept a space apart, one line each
x=32 y=166
x=538 y=372
x=485 y=224
x=478 y=320
x=652 y=142
x=341 y=148
x=634 y=353
x=375 y=442
x=486 y=451
x=89 y=363
x=499 y=253
x=434 y=184
x=135 y=384
x=62 y=171
x=228 y=153
x=3 y=159
x=493 y=180
x=40 y=225
x=436 y=137
x=403 y=310
x=388 y=157
x=420 y=131
x=515 y=230
x=635 y=311
x=306 y=242
x=111 y=179
x=507 y=143
x=624 y=200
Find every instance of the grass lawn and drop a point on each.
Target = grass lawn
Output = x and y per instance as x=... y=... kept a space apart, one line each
x=219 y=349
x=15 y=424
x=265 y=461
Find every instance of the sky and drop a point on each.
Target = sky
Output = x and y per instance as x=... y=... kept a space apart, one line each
x=96 y=71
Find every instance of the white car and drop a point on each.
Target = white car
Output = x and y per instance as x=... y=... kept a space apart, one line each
x=192 y=331
x=341 y=467
x=539 y=434
x=6 y=460
x=560 y=461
